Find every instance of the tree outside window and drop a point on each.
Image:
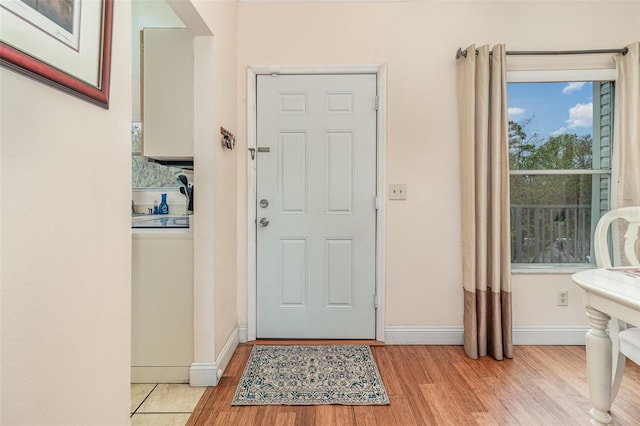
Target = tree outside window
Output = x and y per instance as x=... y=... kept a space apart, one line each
x=145 y=173
x=559 y=169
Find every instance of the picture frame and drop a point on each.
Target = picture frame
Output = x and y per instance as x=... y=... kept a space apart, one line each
x=63 y=43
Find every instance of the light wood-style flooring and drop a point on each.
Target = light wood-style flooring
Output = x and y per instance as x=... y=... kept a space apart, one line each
x=439 y=385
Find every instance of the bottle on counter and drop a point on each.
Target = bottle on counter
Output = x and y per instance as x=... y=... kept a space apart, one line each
x=155 y=207
x=164 y=207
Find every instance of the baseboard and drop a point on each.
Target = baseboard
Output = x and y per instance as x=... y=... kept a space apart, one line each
x=572 y=336
x=227 y=352
x=203 y=374
x=454 y=335
x=396 y=335
x=160 y=374
x=243 y=333
x=209 y=373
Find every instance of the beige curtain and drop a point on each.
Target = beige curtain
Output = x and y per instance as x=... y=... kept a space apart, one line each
x=628 y=107
x=484 y=180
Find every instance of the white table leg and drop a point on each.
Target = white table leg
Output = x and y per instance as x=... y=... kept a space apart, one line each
x=599 y=367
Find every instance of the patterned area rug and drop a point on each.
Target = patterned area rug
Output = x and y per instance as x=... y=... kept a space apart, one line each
x=311 y=375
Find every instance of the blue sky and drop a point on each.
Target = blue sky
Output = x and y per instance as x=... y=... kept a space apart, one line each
x=556 y=107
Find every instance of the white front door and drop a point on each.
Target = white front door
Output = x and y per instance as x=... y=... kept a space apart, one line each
x=316 y=188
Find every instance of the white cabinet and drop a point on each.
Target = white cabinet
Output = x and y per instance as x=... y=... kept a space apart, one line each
x=161 y=306
x=167 y=93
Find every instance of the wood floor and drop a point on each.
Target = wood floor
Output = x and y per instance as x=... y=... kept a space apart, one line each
x=439 y=385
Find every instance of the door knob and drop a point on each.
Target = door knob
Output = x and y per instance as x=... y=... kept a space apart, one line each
x=263 y=222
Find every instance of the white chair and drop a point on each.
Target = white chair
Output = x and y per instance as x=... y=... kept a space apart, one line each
x=626 y=341
x=601 y=242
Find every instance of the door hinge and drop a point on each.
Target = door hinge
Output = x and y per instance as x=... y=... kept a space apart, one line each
x=378 y=202
x=377 y=103
x=375 y=301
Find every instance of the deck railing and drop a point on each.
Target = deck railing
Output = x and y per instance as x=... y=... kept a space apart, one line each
x=551 y=234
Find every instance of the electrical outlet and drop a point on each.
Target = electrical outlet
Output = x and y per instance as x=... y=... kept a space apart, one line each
x=397 y=191
x=563 y=298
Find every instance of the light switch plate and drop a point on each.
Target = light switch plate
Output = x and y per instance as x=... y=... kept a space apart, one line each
x=397 y=191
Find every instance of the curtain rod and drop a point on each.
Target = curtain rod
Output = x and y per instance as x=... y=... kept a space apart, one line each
x=624 y=51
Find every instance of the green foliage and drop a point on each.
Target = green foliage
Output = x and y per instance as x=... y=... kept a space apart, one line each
x=521 y=145
x=531 y=152
x=550 y=223
x=146 y=174
x=561 y=152
x=566 y=151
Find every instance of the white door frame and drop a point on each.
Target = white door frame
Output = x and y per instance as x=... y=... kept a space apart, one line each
x=381 y=72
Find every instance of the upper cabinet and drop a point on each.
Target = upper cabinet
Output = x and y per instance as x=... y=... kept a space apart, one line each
x=167 y=93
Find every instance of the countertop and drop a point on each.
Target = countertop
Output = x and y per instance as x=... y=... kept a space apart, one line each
x=160 y=222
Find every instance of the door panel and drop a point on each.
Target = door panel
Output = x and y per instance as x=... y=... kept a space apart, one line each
x=339 y=172
x=292 y=179
x=316 y=167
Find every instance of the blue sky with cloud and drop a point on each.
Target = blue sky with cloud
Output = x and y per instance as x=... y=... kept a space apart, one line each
x=556 y=107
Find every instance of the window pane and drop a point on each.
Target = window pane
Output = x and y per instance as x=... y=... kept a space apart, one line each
x=136 y=138
x=551 y=218
x=551 y=125
x=566 y=151
x=145 y=173
x=550 y=189
x=561 y=126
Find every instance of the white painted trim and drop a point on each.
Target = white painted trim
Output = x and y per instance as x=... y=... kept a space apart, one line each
x=381 y=72
x=545 y=76
x=381 y=219
x=243 y=334
x=227 y=352
x=550 y=335
x=549 y=268
x=209 y=373
x=153 y=374
x=203 y=374
x=317 y=69
x=252 y=137
x=400 y=335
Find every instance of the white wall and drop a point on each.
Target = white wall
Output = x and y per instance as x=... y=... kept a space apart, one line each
x=418 y=41
x=220 y=165
x=66 y=277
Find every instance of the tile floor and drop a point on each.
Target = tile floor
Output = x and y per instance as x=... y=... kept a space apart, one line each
x=163 y=404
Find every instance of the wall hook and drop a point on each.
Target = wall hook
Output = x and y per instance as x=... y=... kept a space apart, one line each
x=253 y=153
x=228 y=139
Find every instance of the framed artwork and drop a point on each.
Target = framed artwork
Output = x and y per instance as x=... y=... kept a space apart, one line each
x=63 y=43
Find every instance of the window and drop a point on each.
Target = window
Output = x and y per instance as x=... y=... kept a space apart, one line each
x=145 y=173
x=560 y=136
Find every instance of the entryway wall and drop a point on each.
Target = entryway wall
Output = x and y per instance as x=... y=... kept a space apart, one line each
x=418 y=41
x=214 y=26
